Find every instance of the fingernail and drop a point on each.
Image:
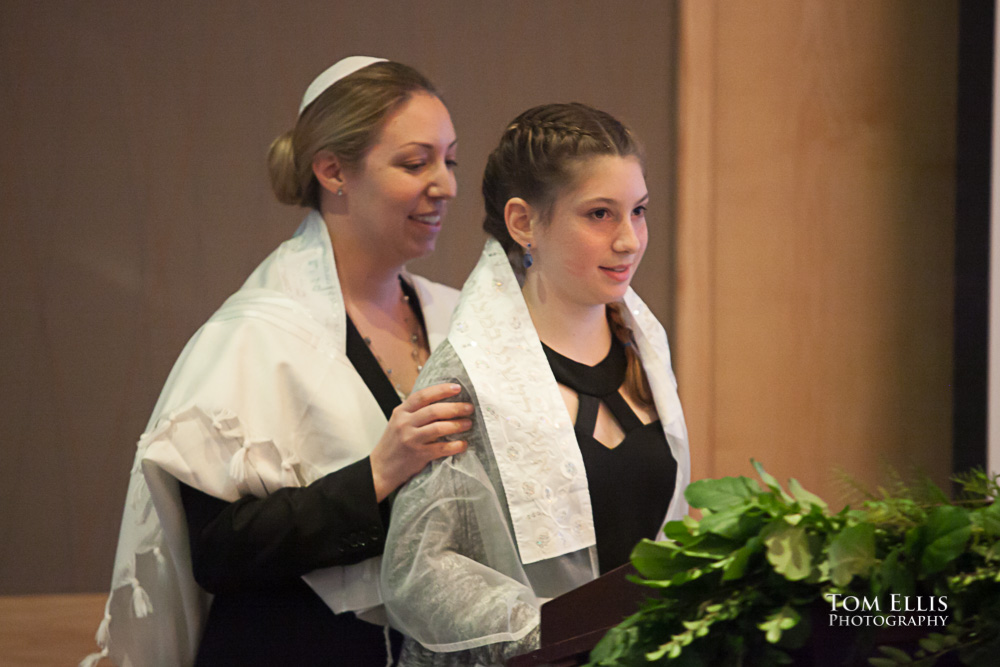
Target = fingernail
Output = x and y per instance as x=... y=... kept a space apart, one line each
x=455 y=387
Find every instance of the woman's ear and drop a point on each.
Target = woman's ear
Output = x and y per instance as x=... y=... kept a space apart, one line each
x=520 y=218
x=328 y=172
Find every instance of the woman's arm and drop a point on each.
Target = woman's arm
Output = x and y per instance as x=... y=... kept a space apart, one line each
x=452 y=579
x=257 y=542
x=339 y=519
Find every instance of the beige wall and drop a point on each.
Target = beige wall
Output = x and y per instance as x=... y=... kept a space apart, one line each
x=815 y=239
x=134 y=200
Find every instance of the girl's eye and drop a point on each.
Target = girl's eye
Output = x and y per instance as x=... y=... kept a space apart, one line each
x=451 y=163
x=639 y=212
x=413 y=166
x=600 y=214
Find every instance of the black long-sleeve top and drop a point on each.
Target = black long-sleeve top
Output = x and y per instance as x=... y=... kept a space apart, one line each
x=252 y=553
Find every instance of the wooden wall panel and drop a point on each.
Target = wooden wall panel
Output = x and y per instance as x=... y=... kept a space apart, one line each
x=135 y=199
x=815 y=236
x=47 y=630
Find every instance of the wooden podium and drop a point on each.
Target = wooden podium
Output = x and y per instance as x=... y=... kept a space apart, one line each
x=573 y=623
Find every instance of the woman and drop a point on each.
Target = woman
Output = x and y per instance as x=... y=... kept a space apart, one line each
x=258 y=503
x=578 y=448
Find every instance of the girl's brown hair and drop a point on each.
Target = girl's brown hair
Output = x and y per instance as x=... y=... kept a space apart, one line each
x=540 y=154
x=345 y=119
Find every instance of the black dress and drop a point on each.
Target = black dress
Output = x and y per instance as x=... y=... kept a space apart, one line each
x=251 y=555
x=630 y=485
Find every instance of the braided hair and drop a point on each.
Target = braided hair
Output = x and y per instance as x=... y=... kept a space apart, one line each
x=539 y=155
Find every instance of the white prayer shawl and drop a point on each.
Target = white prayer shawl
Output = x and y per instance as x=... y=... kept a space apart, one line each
x=262 y=397
x=477 y=541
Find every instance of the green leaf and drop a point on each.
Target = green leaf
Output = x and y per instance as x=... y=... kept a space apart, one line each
x=770 y=481
x=947 y=530
x=803 y=496
x=893 y=576
x=988 y=519
x=736 y=524
x=781 y=620
x=899 y=656
x=678 y=531
x=653 y=656
x=711 y=546
x=931 y=644
x=741 y=559
x=788 y=551
x=852 y=552
x=664 y=568
x=725 y=522
x=882 y=662
x=719 y=494
x=656 y=560
x=613 y=645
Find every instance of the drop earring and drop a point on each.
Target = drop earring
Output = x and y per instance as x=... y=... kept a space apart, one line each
x=527 y=260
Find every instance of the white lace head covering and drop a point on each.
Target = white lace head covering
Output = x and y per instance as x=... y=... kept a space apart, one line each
x=333 y=74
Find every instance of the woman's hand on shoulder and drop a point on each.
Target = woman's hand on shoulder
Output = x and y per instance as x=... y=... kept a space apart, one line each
x=415 y=436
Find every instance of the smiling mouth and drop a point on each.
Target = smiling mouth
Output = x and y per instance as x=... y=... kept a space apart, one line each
x=619 y=272
x=431 y=219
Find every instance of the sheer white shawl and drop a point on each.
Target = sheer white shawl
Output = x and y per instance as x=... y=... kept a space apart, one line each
x=477 y=541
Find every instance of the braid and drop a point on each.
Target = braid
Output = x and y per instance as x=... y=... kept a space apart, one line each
x=536 y=157
x=545 y=129
x=636 y=382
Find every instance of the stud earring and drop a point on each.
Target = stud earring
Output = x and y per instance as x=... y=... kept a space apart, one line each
x=528 y=260
x=340 y=192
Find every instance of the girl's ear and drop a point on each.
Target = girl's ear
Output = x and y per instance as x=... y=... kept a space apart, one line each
x=328 y=172
x=520 y=218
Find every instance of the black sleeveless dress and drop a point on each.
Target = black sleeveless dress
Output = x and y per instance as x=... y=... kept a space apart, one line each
x=630 y=485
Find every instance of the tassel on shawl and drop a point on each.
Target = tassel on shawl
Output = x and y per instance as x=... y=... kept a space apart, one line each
x=94 y=658
x=103 y=637
x=238 y=464
x=103 y=633
x=388 y=646
x=141 y=605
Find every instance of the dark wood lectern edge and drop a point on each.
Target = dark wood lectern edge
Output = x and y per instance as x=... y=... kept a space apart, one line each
x=601 y=603
x=573 y=623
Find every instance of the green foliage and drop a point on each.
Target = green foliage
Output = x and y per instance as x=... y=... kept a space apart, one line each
x=740 y=585
x=852 y=552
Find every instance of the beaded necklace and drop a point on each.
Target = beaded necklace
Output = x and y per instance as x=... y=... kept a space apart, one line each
x=416 y=341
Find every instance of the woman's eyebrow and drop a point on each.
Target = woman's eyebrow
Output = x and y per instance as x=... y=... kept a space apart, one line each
x=426 y=145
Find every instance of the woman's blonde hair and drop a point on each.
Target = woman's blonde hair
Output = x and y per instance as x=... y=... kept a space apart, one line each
x=539 y=155
x=345 y=119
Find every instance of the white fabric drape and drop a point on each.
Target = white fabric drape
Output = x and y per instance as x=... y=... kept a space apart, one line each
x=262 y=397
x=477 y=541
